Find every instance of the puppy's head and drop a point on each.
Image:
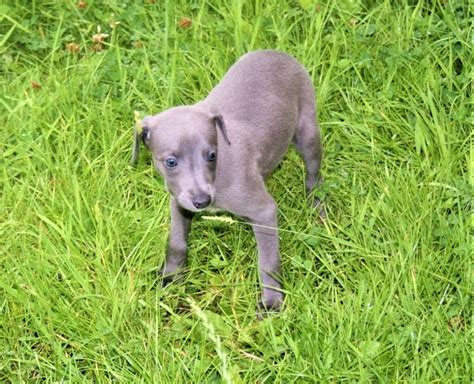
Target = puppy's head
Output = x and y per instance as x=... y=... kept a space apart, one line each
x=183 y=142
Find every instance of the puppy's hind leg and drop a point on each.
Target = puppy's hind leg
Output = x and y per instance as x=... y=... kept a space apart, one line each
x=308 y=143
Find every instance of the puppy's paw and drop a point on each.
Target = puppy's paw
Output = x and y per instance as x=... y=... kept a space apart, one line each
x=169 y=277
x=319 y=206
x=270 y=302
x=165 y=281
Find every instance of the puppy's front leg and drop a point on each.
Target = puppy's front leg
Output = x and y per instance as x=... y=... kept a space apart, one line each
x=264 y=225
x=177 y=251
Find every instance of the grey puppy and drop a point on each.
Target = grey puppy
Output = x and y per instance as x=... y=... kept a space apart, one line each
x=216 y=154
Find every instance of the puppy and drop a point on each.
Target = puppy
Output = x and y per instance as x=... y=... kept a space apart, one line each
x=216 y=154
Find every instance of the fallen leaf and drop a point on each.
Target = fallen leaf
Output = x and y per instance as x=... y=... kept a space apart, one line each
x=35 y=85
x=137 y=44
x=455 y=323
x=73 y=47
x=99 y=38
x=185 y=22
x=97 y=47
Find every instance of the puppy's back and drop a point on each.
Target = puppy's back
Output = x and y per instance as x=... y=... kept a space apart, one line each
x=261 y=87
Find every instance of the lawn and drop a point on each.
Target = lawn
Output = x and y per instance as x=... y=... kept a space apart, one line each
x=381 y=291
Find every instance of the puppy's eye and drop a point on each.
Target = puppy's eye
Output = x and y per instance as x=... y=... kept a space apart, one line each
x=171 y=162
x=212 y=156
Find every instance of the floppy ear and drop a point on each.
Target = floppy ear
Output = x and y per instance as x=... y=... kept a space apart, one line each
x=144 y=135
x=219 y=123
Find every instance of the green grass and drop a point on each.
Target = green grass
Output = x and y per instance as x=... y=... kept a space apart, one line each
x=380 y=292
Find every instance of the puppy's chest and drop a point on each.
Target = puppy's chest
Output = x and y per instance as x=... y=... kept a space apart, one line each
x=214 y=210
x=219 y=207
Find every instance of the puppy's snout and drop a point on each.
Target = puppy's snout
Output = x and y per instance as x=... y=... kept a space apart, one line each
x=201 y=201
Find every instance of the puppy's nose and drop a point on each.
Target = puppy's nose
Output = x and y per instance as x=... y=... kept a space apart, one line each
x=201 y=201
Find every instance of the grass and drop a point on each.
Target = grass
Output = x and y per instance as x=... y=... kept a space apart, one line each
x=380 y=292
